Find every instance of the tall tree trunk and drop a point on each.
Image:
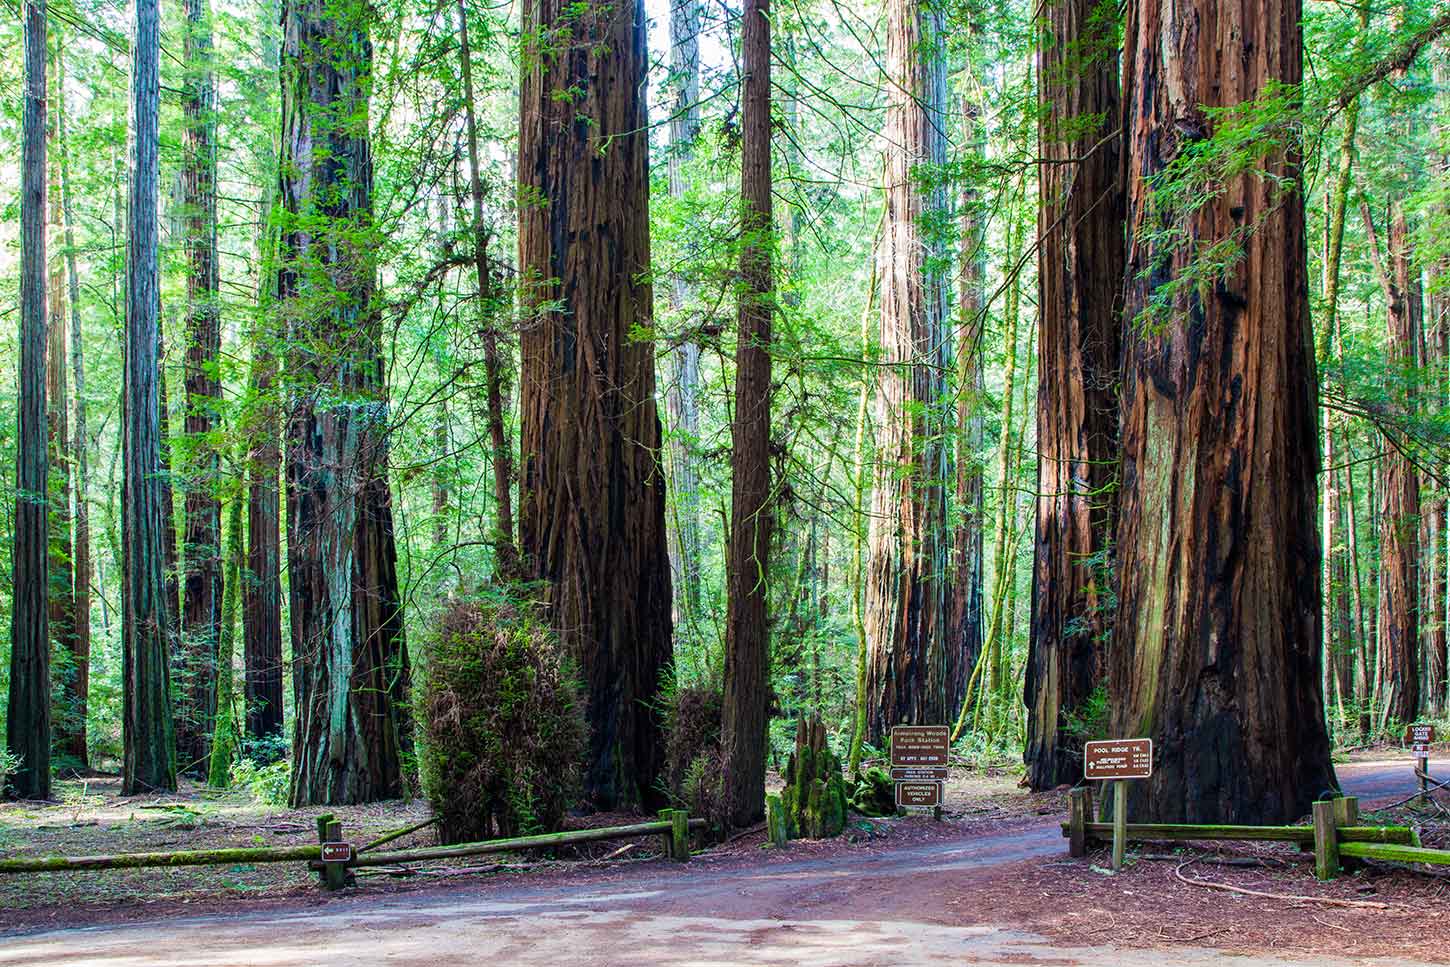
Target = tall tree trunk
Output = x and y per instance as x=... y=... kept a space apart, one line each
x=1079 y=285
x=146 y=605
x=970 y=512
x=58 y=441
x=1438 y=366
x=592 y=521
x=489 y=310
x=746 y=710
x=681 y=395
x=78 y=691
x=911 y=661
x=1216 y=642
x=1399 y=584
x=262 y=589
x=201 y=612
x=27 y=715
x=350 y=673
x=262 y=684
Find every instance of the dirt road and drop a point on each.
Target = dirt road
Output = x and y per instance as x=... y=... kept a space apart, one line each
x=913 y=904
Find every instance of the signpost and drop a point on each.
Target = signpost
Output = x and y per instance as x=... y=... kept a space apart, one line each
x=1116 y=761
x=919 y=755
x=1418 y=737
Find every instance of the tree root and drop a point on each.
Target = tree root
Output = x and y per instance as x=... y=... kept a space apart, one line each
x=1291 y=897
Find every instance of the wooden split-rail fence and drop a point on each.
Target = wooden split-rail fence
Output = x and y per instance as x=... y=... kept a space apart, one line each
x=334 y=859
x=1336 y=835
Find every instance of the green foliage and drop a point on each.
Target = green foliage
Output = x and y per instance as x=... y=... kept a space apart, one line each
x=814 y=797
x=9 y=765
x=503 y=728
x=266 y=782
x=874 y=793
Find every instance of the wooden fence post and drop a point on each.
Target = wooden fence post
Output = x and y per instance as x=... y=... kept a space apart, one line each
x=775 y=821
x=1326 y=840
x=322 y=823
x=334 y=874
x=1077 y=822
x=667 y=838
x=1346 y=813
x=1120 y=822
x=681 y=834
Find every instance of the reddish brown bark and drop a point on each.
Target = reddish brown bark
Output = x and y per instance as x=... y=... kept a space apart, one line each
x=1080 y=271
x=1216 y=641
x=746 y=713
x=910 y=667
x=27 y=715
x=201 y=582
x=592 y=506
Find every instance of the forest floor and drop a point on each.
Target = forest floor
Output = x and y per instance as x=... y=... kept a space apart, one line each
x=992 y=884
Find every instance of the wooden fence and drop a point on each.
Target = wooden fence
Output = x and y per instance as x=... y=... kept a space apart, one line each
x=333 y=859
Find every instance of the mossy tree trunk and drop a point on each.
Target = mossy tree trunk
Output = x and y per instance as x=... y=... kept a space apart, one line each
x=350 y=663
x=1216 y=643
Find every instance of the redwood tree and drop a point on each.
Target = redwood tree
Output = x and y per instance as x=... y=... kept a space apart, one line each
x=1216 y=641
x=350 y=673
x=592 y=507
x=746 y=713
x=1079 y=283
x=27 y=716
x=146 y=614
x=201 y=603
x=910 y=667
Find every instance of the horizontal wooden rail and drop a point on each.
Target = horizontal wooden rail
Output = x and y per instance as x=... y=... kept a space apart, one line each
x=193 y=857
x=517 y=843
x=1284 y=834
x=1397 y=853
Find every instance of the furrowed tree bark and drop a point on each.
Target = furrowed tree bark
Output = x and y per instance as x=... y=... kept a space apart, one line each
x=201 y=606
x=146 y=612
x=262 y=588
x=58 y=441
x=350 y=673
x=489 y=309
x=1437 y=663
x=682 y=392
x=970 y=510
x=1079 y=284
x=911 y=660
x=27 y=715
x=592 y=521
x=74 y=745
x=1398 y=625
x=746 y=711
x=1216 y=642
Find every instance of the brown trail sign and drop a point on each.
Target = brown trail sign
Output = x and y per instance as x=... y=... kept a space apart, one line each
x=1115 y=761
x=919 y=755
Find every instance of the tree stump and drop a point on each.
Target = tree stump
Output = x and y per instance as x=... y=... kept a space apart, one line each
x=814 y=797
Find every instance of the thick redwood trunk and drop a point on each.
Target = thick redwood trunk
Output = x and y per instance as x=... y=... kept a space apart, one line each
x=1079 y=286
x=747 y=629
x=910 y=668
x=350 y=664
x=201 y=550
x=27 y=715
x=592 y=520
x=1216 y=642
x=147 y=608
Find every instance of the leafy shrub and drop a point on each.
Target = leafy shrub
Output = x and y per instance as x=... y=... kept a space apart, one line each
x=9 y=765
x=266 y=782
x=693 y=715
x=503 y=723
